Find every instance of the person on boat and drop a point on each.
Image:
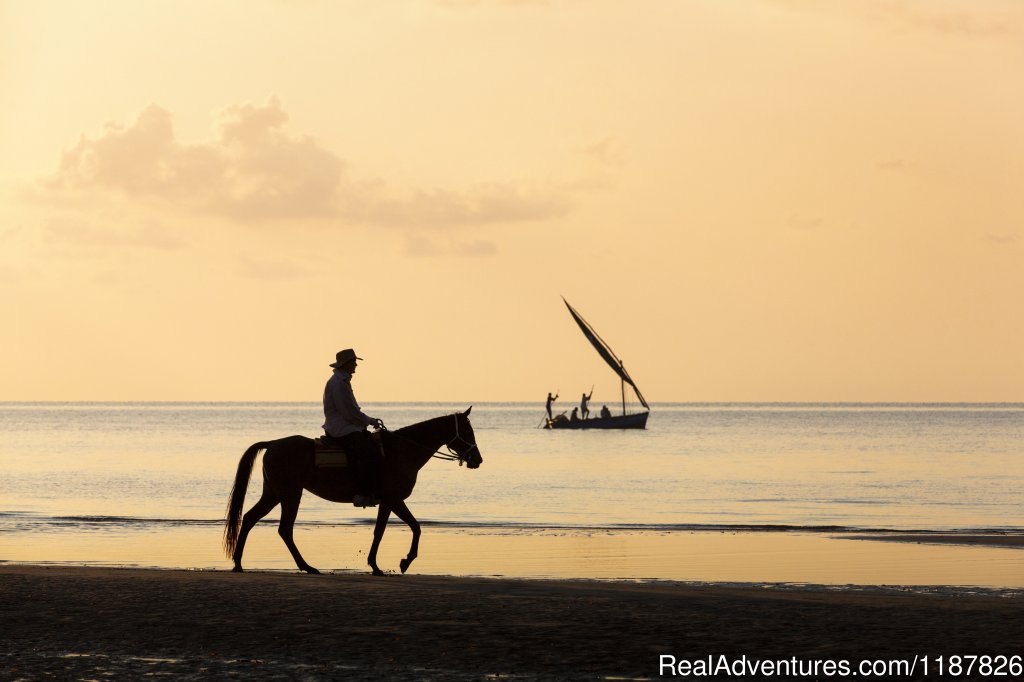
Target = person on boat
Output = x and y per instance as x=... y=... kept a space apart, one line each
x=605 y=412
x=584 y=410
x=345 y=426
x=574 y=417
x=551 y=400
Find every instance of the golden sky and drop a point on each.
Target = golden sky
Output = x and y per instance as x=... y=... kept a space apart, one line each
x=751 y=200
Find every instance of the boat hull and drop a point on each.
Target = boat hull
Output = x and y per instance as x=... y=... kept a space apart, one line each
x=624 y=421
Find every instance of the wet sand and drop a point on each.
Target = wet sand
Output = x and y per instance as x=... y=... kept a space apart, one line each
x=994 y=561
x=91 y=623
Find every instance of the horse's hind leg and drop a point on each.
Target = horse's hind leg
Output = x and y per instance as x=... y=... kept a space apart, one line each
x=263 y=507
x=402 y=512
x=289 y=510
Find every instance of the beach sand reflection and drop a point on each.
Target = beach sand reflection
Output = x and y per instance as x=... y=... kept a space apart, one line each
x=599 y=554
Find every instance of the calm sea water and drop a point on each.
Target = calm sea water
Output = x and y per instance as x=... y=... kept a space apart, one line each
x=73 y=469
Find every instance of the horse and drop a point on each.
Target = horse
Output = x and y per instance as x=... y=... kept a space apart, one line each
x=289 y=468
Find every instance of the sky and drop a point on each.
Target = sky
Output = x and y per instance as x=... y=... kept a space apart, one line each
x=750 y=200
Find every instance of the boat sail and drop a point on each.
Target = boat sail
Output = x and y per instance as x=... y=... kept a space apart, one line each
x=636 y=420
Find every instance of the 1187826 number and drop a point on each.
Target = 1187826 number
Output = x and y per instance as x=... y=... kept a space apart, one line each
x=968 y=664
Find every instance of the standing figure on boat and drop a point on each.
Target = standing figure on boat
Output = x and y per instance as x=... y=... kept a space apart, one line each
x=551 y=400
x=584 y=410
x=345 y=426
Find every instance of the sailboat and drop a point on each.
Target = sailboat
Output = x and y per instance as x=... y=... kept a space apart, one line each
x=635 y=420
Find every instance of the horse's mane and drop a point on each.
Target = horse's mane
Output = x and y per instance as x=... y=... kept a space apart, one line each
x=427 y=423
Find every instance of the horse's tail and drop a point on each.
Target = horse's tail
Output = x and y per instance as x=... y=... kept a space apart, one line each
x=233 y=516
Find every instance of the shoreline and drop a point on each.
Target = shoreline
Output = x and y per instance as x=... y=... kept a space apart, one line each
x=764 y=587
x=88 y=621
x=992 y=562
x=1013 y=539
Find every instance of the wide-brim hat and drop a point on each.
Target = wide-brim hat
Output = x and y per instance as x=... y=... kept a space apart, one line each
x=343 y=357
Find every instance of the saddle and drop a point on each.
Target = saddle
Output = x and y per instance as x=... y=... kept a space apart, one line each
x=331 y=455
x=327 y=454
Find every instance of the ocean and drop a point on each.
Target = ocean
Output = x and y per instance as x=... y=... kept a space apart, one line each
x=147 y=483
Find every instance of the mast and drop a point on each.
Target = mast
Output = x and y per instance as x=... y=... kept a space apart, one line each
x=607 y=355
x=623 y=397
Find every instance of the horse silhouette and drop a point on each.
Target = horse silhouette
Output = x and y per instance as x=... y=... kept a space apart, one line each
x=289 y=467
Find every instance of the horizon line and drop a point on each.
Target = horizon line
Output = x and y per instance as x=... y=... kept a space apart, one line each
x=505 y=402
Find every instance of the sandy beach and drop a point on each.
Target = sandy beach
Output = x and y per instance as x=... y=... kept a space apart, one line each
x=90 y=623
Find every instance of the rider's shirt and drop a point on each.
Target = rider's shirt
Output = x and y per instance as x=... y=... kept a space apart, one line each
x=341 y=411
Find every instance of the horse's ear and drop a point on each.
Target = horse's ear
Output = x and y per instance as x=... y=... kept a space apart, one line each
x=468 y=411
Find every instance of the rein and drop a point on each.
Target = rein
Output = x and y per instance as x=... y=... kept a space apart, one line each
x=451 y=455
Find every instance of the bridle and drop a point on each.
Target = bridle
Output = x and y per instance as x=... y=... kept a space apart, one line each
x=451 y=455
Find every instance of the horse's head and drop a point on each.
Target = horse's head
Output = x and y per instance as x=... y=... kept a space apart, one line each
x=464 y=443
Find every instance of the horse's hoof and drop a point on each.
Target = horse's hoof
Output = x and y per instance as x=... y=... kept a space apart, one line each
x=311 y=570
x=237 y=569
x=377 y=571
x=404 y=564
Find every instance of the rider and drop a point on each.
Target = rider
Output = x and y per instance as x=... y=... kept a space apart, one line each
x=345 y=425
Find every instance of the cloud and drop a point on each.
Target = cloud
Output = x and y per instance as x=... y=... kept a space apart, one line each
x=256 y=171
x=483 y=204
x=148 y=236
x=799 y=222
x=476 y=248
x=1002 y=239
x=9 y=274
x=11 y=233
x=963 y=22
x=604 y=153
x=418 y=246
x=957 y=19
x=473 y=4
x=270 y=270
x=891 y=165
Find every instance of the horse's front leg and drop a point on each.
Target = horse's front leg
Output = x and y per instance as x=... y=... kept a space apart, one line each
x=403 y=513
x=383 y=514
x=286 y=526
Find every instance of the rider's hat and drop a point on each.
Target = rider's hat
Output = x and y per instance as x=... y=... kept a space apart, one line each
x=343 y=357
